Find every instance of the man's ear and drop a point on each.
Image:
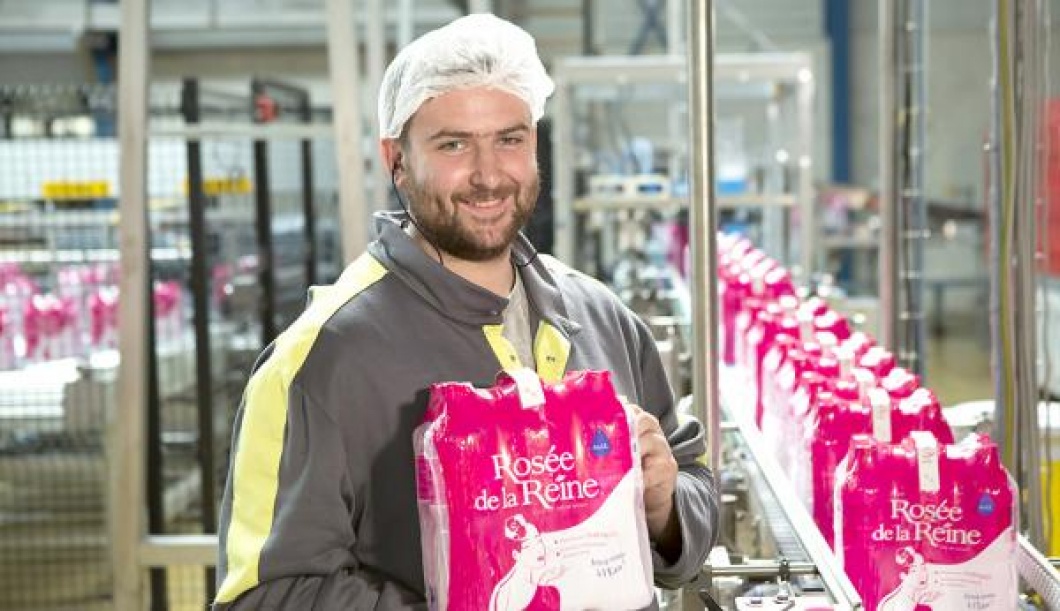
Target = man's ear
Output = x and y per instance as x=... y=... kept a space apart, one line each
x=390 y=151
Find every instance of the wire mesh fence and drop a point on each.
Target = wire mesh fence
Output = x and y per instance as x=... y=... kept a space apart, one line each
x=59 y=166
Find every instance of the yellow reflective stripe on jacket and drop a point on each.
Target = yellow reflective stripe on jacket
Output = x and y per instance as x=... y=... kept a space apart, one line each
x=255 y=476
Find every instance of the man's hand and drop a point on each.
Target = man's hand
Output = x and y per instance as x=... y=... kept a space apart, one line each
x=660 y=480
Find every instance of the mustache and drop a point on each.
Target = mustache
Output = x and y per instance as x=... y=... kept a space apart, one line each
x=484 y=195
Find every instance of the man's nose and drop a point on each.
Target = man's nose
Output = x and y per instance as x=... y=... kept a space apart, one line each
x=487 y=172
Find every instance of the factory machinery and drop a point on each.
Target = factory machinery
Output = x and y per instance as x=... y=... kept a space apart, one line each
x=228 y=214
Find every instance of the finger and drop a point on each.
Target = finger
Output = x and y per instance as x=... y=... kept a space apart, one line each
x=636 y=409
x=647 y=423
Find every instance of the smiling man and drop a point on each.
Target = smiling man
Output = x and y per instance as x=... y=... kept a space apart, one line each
x=320 y=509
x=470 y=192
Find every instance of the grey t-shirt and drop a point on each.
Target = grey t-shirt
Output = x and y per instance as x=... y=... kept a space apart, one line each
x=517 y=323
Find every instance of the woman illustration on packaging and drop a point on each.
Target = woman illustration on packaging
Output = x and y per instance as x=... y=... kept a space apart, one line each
x=917 y=588
x=528 y=584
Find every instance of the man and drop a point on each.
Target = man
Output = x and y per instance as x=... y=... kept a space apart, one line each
x=320 y=510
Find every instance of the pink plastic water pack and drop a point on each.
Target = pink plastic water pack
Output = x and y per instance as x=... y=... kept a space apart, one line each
x=531 y=496
x=922 y=525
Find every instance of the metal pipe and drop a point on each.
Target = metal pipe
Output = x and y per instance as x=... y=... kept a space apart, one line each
x=675 y=17
x=807 y=205
x=760 y=570
x=345 y=86
x=177 y=550
x=909 y=191
x=125 y=445
x=993 y=158
x=702 y=207
x=263 y=232
x=888 y=280
x=255 y=131
x=588 y=44
x=563 y=221
x=155 y=480
x=703 y=227
x=1030 y=102
x=375 y=47
x=308 y=195
x=404 y=23
x=200 y=292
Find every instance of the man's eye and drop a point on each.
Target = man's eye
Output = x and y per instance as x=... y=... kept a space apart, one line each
x=512 y=140
x=451 y=145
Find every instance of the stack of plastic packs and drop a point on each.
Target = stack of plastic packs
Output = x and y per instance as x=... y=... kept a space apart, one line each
x=531 y=497
x=812 y=384
x=925 y=525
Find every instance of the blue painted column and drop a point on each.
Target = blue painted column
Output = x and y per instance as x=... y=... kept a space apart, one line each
x=104 y=52
x=837 y=28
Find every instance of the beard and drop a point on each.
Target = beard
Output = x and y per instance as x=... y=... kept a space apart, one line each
x=442 y=221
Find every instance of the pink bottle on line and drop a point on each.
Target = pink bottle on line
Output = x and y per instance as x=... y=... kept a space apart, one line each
x=774 y=399
x=858 y=343
x=900 y=383
x=822 y=370
x=829 y=403
x=811 y=344
x=746 y=310
x=802 y=407
x=813 y=306
x=737 y=288
x=829 y=431
x=857 y=380
x=832 y=322
x=775 y=358
x=776 y=415
x=771 y=324
x=927 y=525
x=103 y=315
x=878 y=360
x=773 y=288
x=169 y=315
x=8 y=359
x=50 y=327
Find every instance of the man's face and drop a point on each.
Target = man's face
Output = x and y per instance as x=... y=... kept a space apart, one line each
x=470 y=171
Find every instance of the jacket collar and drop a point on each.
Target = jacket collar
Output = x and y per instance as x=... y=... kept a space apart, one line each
x=457 y=298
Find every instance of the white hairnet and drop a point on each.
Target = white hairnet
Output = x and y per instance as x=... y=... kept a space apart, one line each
x=478 y=50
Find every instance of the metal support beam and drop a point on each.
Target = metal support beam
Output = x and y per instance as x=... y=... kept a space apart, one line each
x=126 y=447
x=808 y=232
x=837 y=26
x=888 y=128
x=200 y=294
x=177 y=550
x=305 y=110
x=343 y=63
x=703 y=227
x=703 y=235
x=675 y=29
x=563 y=225
x=375 y=46
x=404 y=23
x=263 y=232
